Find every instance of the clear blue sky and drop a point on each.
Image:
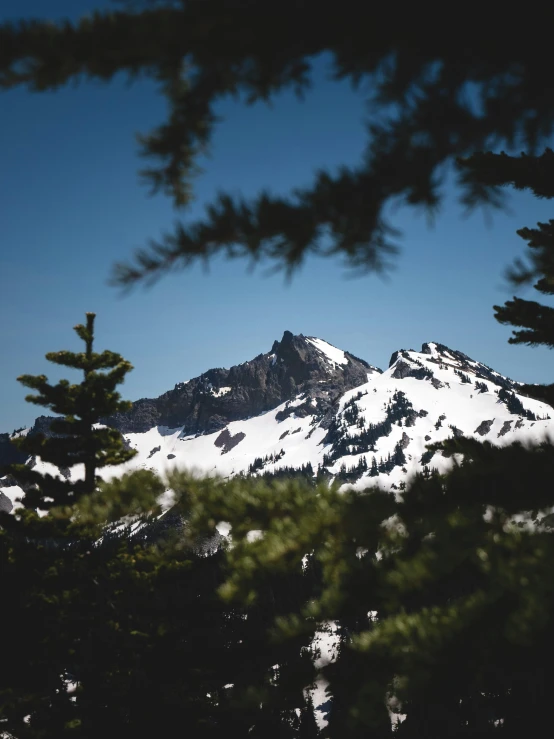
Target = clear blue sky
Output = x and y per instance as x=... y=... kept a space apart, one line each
x=71 y=204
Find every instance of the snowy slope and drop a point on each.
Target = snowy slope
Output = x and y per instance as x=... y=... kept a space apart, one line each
x=302 y=439
x=423 y=397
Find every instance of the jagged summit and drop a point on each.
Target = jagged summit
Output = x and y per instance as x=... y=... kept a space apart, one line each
x=435 y=350
x=435 y=356
x=209 y=402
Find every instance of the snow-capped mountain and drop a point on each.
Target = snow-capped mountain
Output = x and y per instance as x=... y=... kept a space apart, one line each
x=310 y=408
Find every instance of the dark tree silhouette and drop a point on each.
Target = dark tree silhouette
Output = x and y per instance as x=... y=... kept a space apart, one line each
x=436 y=91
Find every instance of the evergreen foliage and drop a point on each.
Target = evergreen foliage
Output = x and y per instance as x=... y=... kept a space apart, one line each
x=308 y=725
x=343 y=443
x=260 y=462
x=350 y=474
x=514 y=404
x=426 y=457
x=75 y=438
x=374 y=471
x=305 y=471
x=125 y=635
x=534 y=321
x=444 y=597
x=463 y=377
x=203 y=50
x=463 y=594
x=458 y=577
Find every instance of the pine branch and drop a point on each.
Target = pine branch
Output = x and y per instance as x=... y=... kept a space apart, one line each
x=533 y=173
x=537 y=321
x=421 y=113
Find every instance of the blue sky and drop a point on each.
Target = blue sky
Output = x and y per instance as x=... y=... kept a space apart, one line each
x=72 y=204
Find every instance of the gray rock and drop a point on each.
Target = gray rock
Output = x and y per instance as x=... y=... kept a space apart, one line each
x=6 y=505
x=484 y=428
x=405 y=440
x=402 y=369
x=467 y=365
x=226 y=441
x=292 y=367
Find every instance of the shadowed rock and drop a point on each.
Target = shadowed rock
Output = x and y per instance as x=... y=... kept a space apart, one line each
x=484 y=427
x=225 y=441
x=292 y=367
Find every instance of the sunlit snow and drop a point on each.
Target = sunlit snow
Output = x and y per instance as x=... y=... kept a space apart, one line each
x=299 y=440
x=331 y=353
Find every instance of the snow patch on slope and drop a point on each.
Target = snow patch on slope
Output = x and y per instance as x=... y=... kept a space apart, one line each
x=331 y=353
x=221 y=391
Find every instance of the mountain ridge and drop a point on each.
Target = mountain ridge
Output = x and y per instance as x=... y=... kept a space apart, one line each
x=307 y=407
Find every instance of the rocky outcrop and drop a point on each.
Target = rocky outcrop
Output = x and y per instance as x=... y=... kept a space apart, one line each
x=406 y=366
x=210 y=402
x=484 y=427
x=226 y=441
x=5 y=504
x=465 y=364
x=506 y=426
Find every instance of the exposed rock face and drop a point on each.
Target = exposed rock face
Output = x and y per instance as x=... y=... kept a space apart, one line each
x=42 y=426
x=9 y=454
x=408 y=368
x=5 y=503
x=405 y=441
x=209 y=402
x=506 y=426
x=484 y=427
x=453 y=357
x=226 y=442
x=405 y=365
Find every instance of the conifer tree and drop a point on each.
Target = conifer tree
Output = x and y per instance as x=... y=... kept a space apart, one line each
x=534 y=321
x=76 y=437
x=308 y=724
x=136 y=624
x=374 y=471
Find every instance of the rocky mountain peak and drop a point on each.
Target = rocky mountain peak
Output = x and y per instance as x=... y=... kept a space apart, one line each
x=435 y=349
x=296 y=364
x=435 y=356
